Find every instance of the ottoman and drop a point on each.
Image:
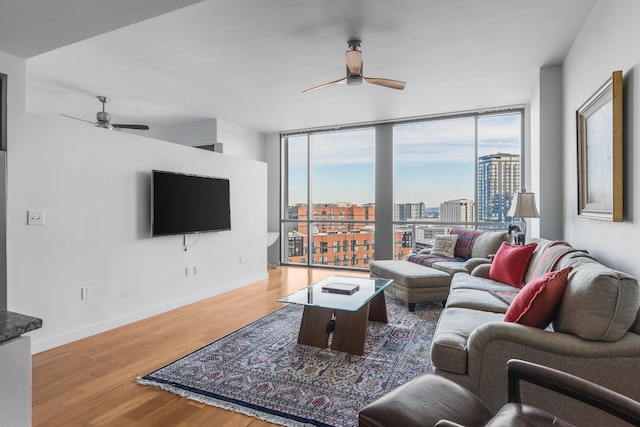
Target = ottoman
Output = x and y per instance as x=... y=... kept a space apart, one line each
x=412 y=282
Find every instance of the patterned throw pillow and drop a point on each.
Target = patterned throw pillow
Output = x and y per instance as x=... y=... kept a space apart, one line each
x=536 y=304
x=510 y=263
x=444 y=245
x=466 y=238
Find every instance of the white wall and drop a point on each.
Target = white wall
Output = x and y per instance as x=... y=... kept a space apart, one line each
x=94 y=186
x=607 y=42
x=236 y=140
x=241 y=142
x=202 y=132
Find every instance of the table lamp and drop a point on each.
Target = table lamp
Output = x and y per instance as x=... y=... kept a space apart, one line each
x=523 y=206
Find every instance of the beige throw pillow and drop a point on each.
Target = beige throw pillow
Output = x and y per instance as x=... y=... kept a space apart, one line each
x=444 y=245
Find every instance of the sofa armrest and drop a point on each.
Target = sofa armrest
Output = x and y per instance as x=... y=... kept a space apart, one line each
x=491 y=345
x=481 y=270
x=548 y=341
x=472 y=263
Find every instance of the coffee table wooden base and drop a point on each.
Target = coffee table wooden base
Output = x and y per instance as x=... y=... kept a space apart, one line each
x=349 y=329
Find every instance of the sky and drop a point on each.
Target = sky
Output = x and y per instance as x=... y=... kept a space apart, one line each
x=434 y=161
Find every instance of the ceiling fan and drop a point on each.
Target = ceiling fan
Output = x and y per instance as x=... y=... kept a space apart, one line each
x=104 y=119
x=354 y=71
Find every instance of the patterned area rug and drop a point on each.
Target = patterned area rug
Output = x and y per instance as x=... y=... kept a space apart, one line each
x=261 y=371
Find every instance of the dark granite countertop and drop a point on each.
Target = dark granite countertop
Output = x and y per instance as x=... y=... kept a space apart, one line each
x=13 y=325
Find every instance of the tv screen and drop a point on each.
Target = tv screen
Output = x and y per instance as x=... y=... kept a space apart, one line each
x=183 y=204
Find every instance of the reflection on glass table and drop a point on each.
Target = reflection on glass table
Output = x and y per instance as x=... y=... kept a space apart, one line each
x=343 y=316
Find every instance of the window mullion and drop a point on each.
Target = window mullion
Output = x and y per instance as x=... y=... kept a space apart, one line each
x=309 y=199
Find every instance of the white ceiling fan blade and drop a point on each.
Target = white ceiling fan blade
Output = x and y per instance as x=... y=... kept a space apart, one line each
x=322 y=86
x=393 y=84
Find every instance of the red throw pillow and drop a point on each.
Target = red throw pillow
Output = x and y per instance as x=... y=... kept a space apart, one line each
x=510 y=263
x=538 y=301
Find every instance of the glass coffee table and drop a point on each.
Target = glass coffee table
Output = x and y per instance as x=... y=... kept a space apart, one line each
x=342 y=305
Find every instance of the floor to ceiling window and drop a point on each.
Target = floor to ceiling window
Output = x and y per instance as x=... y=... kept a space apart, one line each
x=459 y=170
x=455 y=172
x=329 y=191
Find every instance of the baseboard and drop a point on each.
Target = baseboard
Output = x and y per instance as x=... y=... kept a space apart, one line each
x=38 y=346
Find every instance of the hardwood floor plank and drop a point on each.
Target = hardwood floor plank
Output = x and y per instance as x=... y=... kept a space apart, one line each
x=91 y=382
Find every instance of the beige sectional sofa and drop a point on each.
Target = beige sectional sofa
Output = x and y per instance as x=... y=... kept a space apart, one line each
x=427 y=277
x=594 y=334
x=474 y=247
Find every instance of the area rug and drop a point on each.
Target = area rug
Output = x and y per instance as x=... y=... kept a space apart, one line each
x=260 y=370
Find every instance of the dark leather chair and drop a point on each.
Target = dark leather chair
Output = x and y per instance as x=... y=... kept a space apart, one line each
x=430 y=400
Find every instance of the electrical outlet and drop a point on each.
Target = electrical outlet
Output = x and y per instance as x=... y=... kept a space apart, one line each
x=196 y=270
x=85 y=293
x=35 y=217
x=187 y=271
x=240 y=260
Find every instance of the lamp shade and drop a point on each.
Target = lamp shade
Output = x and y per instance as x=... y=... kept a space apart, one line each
x=523 y=205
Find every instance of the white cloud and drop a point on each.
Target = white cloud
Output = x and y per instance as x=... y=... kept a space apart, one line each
x=427 y=142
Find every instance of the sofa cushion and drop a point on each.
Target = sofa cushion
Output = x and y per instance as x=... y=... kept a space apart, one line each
x=466 y=240
x=449 y=348
x=487 y=243
x=511 y=263
x=444 y=245
x=450 y=267
x=468 y=281
x=536 y=304
x=598 y=303
x=428 y=260
x=476 y=299
x=474 y=293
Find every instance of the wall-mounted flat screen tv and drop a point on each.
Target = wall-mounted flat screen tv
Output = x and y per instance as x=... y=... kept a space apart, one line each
x=184 y=204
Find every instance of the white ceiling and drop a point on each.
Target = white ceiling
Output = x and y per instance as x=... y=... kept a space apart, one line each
x=247 y=61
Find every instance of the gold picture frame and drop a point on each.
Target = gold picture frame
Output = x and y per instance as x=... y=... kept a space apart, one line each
x=600 y=162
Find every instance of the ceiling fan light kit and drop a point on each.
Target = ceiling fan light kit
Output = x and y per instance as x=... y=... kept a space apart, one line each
x=355 y=77
x=354 y=81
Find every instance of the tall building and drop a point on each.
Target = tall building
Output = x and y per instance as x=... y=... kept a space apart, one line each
x=498 y=180
x=460 y=210
x=405 y=211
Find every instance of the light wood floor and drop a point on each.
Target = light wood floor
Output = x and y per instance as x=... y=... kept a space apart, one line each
x=91 y=382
